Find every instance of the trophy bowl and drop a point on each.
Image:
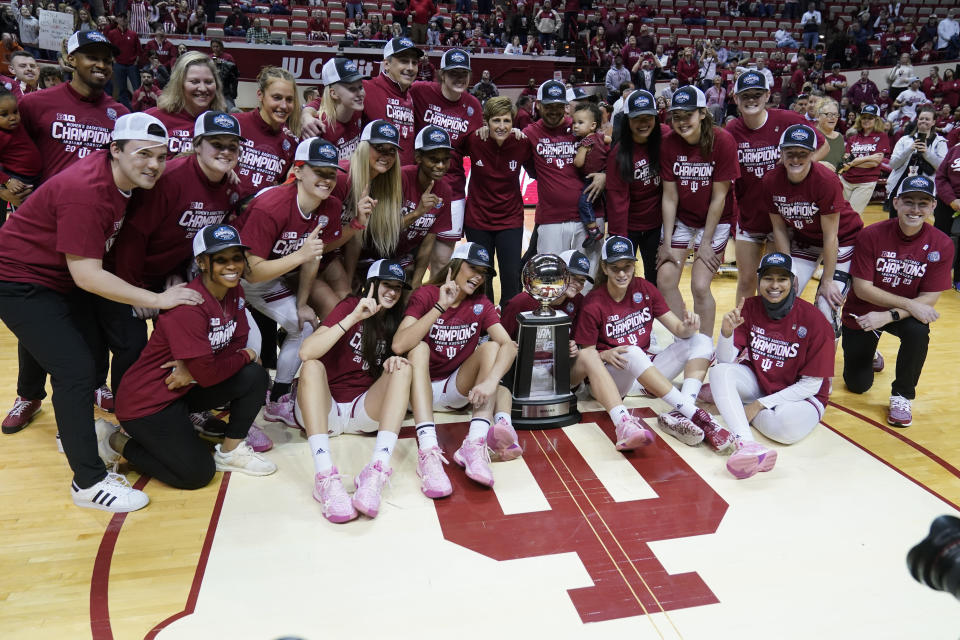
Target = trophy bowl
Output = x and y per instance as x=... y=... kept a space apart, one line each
x=545 y=277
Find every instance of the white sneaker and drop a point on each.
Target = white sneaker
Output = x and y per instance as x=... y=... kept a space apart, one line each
x=105 y=429
x=243 y=459
x=113 y=493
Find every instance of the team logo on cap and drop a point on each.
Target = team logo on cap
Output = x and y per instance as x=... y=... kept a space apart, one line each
x=111 y=113
x=328 y=152
x=774 y=258
x=224 y=233
x=681 y=97
x=406 y=42
x=396 y=270
x=554 y=91
x=223 y=120
x=477 y=309
x=457 y=57
x=751 y=78
x=387 y=131
x=483 y=255
x=798 y=134
x=438 y=136
x=350 y=65
x=583 y=264
x=619 y=247
x=96 y=36
x=642 y=101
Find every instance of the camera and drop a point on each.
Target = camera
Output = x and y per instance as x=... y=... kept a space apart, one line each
x=935 y=562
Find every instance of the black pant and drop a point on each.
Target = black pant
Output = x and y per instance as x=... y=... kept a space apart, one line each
x=647 y=243
x=165 y=446
x=57 y=331
x=943 y=220
x=125 y=334
x=506 y=244
x=268 y=337
x=859 y=347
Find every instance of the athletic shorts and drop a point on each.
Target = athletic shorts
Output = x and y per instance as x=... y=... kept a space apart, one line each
x=684 y=237
x=346 y=417
x=457 y=208
x=755 y=238
x=446 y=397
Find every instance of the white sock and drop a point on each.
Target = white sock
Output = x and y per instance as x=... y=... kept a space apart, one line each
x=617 y=413
x=478 y=428
x=681 y=402
x=383 y=449
x=691 y=387
x=504 y=416
x=427 y=436
x=320 y=448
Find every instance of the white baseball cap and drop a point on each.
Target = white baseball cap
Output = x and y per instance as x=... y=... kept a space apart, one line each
x=140 y=126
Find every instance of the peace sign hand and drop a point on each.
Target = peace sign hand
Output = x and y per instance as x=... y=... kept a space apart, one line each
x=449 y=292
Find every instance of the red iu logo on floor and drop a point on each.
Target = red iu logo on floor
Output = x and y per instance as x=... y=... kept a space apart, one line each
x=609 y=537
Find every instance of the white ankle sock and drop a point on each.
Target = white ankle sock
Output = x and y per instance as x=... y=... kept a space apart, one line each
x=504 y=415
x=427 y=436
x=691 y=387
x=617 y=413
x=383 y=449
x=681 y=402
x=320 y=448
x=478 y=428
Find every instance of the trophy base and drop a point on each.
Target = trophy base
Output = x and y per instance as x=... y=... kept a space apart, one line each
x=545 y=413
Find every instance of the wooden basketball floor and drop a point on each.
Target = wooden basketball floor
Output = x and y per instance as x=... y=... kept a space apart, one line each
x=574 y=541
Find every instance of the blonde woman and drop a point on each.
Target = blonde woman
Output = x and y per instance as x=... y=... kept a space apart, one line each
x=271 y=130
x=338 y=114
x=194 y=87
x=867 y=145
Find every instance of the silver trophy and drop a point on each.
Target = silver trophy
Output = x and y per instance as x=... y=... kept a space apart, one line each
x=541 y=381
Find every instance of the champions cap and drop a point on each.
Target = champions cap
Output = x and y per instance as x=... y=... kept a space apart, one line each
x=917 y=184
x=388 y=270
x=617 y=248
x=577 y=263
x=214 y=238
x=687 y=98
x=340 y=70
x=799 y=135
x=455 y=59
x=432 y=137
x=380 y=132
x=870 y=110
x=476 y=255
x=79 y=40
x=641 y=103
x=399 y=45
x=318 y=152
x=750 y=80
x=552 y=91
x=216 y=123
x=780 y=261
x=139 y=126
x=577 y=93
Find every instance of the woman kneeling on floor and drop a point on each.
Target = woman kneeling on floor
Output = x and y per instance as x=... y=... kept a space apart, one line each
x=214 y=366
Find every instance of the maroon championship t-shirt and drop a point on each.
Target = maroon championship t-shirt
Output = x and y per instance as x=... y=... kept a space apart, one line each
x=607 y=323
x=860 y=145
x=904 y=266
x=436 y=221
x=347 y=372
x=695 y=174
x=781 y=351
x=207 y=336
x=495 y=201
x=78 y=212
x=523 y=301
x=558 y=182
x=265 y=156
x=459 y=118
x=384 y=100
x=801 y=205
x=66 y=126
x=345 y=136
x=456 y=334
x=758 y=151
x=634 y=205
x=273 y=225
x=157 y=237
x=179 y=129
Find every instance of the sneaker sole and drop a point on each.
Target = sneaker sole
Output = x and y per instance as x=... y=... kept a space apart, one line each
x=689 y=439
x=512 y=452
x=243 y=470
x=641 y=439
x=333 y=518
x=897 y=423
x=370 y=514
x=503 y=442
x=463 y=463
x=433 y=494
x=18 y=428
x=749 y=466
x=87 y=504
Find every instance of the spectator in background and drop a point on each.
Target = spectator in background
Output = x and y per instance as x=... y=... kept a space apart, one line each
x=258 y=33
x=948 y=36
x=125 y=65
x=25 y=71
x=236 y=24
x=433 y=36
x=863 y=91
x=524 y=115
x=421 y=13
x=51 y=76
x=147 y=95
x=616 y=75
x=166 y=52
x=29 y=28
x=317 y=27
x=810 y=23
x=791 y=10
x=687 y=68
x=784 y=38
x=835 y=83
x=197 y=22
x=485 y=89
x=717 y=99
x=513 y=48
x=161 y=75
x=8 y=44
x=354 y=9
x=898 y=78
x=228 y=72
x=919 y=152
x=548 y=23
x=667 y=92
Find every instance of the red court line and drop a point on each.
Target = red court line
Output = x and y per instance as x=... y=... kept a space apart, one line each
x=201 y=563
x=899 y=436
x=100 y=627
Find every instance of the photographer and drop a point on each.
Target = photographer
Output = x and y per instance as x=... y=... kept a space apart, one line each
x=919 y=152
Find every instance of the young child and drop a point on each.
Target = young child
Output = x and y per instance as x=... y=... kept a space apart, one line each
x=591 y=157
x=20 y=162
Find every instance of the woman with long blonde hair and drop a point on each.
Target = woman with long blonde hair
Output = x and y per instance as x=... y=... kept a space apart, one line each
x=194 y=87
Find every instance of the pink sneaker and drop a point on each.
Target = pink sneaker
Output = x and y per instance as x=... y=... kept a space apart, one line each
x=749 y=458
x=714 y=435
x=103 y=398
x=631 y=434
x=502 y=439
x=333 y=498
x=280 y=411
x=20 y=415
x=433 y=479
x=681 y=428
x=258 y=440
x=474 y=457
x=366 y=499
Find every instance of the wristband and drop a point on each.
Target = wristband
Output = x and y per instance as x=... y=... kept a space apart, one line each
x=341 y=326
x=439 y=308
x=356 y=225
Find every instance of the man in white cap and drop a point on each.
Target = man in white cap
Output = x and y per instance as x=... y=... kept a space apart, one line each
x=51 y=255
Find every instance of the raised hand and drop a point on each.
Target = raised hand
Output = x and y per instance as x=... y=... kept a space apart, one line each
x=429 y=199
x=449 y=291
x=312 y=248
x=367 y=306
x=731 y=320
x=365 y=206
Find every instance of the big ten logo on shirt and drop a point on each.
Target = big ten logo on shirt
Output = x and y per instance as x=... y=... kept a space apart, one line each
x=450 y=339
x=798 y=214
x=895 y=271
x=758 y=160
x=768 y=351
x=628 y=329
x=401 y=115
x=81 y=138
x=346 y=147
x=644 y=174
x=455 y=125
x=356 y=342
x=693 y=175
x=260 y=167
x=179 y=141
x=559 y=153
x=198 y=216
